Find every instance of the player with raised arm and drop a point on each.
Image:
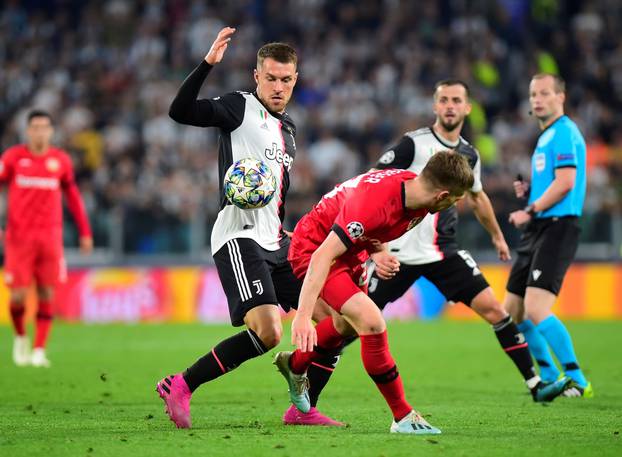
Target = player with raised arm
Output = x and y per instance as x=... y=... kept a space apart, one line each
x=249 y=246
x=431 y=249
x=37 y=175
x=329 y=249
x=551 y=233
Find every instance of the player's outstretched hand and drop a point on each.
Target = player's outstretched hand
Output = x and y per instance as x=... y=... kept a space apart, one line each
x=219 y=46
x=503 y=251
x=387 y=264
x=86 y=245
x=304 y=336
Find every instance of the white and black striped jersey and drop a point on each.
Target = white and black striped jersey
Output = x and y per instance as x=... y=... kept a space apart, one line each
x=435 y=237
x=247 y=129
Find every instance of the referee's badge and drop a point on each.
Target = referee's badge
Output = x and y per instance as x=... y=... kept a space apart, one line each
x=539 y=161
x=52 y=164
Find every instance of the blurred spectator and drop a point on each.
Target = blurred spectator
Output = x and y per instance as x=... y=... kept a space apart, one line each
x=108 y=70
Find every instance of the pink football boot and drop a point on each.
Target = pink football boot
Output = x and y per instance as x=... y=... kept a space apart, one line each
x=176 y=395
x=294 y=417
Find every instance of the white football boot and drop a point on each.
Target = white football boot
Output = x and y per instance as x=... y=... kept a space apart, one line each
x=413 y=423
x=38 y=358
x=21 y=351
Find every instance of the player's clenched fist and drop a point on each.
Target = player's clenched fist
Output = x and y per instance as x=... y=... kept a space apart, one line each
x=219 y=46
x=387 y=264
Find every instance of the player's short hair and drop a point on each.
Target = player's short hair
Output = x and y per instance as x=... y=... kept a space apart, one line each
x=450 y=171
x=452 y=82
x=281 y=52
x=38 y=113
x=559 y=85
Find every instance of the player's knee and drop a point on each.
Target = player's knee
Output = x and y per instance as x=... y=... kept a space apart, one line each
x=343 y=327
x=372 y=327
x=270 y=335
x=492 y=312
x=45 y=293
x=18 y=298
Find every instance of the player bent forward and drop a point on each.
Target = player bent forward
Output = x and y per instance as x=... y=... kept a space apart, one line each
x=329 y=248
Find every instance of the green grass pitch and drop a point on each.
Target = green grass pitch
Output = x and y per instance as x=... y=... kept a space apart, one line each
x=98 y=399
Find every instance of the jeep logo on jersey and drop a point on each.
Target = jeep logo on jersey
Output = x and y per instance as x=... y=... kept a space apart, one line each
x=355 y=229
x=387 y=157
x=276 y=153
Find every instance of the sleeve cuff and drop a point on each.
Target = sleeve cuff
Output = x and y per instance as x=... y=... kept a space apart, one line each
x=345 y=239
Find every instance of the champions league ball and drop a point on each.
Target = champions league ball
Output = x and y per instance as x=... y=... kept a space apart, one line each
x=249 y=184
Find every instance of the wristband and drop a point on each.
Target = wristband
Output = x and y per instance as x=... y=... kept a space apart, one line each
x=530 y=209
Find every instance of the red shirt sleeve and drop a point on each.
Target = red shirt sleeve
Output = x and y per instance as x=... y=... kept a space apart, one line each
x=359 y=215
x=74 y=200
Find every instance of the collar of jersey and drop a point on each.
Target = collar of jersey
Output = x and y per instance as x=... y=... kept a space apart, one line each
x=37 y=156
x=272 y=113
x=552 y=123
x=444 y=142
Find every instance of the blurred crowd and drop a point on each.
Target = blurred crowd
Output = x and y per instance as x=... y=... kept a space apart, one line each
x=107 y=70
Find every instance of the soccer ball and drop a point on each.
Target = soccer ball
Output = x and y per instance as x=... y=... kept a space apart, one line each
x=249 y=184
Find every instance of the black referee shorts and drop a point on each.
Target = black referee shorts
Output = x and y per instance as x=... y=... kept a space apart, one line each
x=456 y=276
x=546 y=250
x=252 y=276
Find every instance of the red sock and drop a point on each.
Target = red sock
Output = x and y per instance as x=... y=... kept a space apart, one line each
x=382 y=369
x=17 y=317
x=327 y=338
x=44 y=322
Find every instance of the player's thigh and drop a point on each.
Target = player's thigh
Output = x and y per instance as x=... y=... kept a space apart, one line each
x=457 y=277
x=519 y=275
x=514 y=304
x=50 y=267
x=19 y=262
x=340 y=286
x=245 y=277
x=385 y=291
x=555 y=252
x=538 y=304
x=286 y=284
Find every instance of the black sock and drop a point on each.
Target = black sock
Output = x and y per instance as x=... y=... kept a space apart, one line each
x=321 y=370
x=513 y=343
x=226 y=356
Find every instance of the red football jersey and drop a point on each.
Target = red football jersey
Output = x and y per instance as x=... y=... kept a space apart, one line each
x=364 y=212
x=35 y=183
